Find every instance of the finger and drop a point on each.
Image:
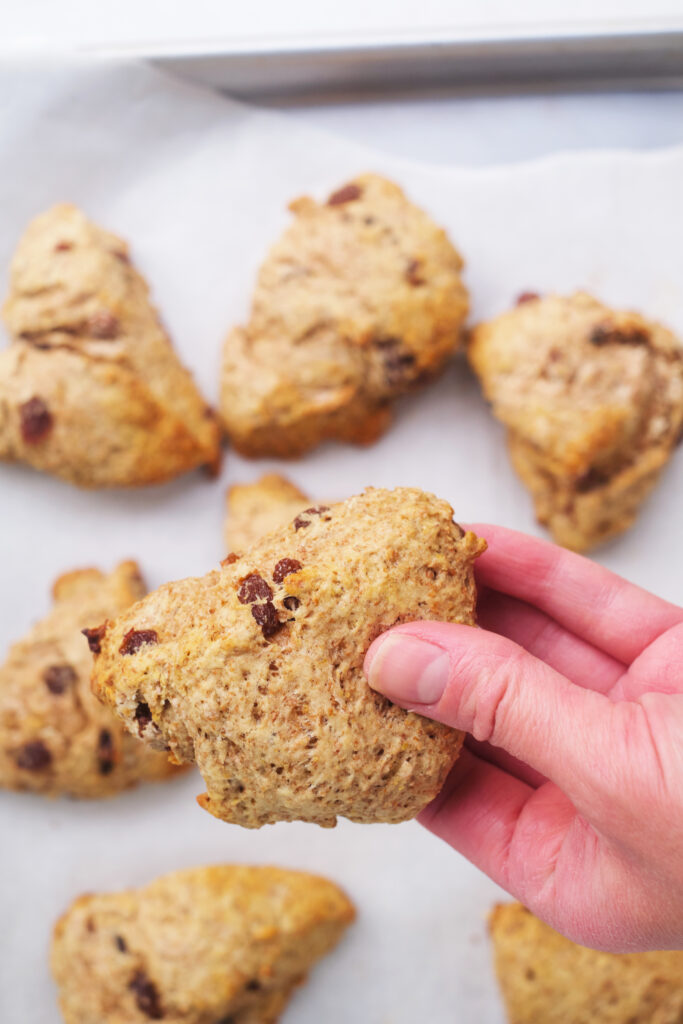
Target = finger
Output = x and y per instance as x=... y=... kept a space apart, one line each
x=534 y=844
x=490 y=687
x=512 y=765
x=546 y=639
x=655 y=670
x=585 y=598
x=488 y=816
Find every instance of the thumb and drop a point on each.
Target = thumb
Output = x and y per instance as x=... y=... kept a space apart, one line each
x=491 y=687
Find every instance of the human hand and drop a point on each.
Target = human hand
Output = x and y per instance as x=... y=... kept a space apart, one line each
x=569 y=792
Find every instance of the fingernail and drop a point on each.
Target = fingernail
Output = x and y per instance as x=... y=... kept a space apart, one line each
x=408 y=670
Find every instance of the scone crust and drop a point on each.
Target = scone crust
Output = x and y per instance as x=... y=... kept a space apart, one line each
x=55 y=736
x=91 y=389
x=359 y=301
x=257 y=671
x=195 y=946
x=593 y=402
x=258 y=508
x=545 y=977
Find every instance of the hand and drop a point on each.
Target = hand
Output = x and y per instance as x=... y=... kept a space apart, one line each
x=569 y=792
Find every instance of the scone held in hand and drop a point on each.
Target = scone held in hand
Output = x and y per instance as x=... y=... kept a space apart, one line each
x=255 y=671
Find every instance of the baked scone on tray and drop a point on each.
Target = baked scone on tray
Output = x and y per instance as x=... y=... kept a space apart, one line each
x=592 y=399
x=258 y=508
x=91 y=389
x=360 y=301
x=55 y=736
x=255 y=672
x=546 y=979
x=201 y=946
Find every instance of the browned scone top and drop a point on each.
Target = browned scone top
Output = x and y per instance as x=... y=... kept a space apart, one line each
x=91 y=389
x=258 y=508
x=593 y=402
x=255 y=671
x=546 y=979
x=202 y=946
x=359 y=301
x=55 y=736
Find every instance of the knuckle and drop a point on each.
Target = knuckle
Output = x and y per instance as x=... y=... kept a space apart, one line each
x=488 y=698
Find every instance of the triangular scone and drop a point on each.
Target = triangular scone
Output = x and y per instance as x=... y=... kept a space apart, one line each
x=255 y=671
x=546 y=979
x=259 y=508
x=55 y=736
x=91 y=389
x=359 y=301
x=201 y=946
x=593 y=402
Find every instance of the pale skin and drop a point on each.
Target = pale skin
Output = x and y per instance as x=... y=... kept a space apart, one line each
x=569 y=792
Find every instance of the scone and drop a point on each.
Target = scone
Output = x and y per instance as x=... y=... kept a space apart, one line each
x=214 y=945
x=255 y=509
x=546 y=979
x=359 y=301
x=593 y=403
x=255 y=671
x=90 y=388
x=55 y=736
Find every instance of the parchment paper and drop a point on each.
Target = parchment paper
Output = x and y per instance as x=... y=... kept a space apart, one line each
x=198 y=184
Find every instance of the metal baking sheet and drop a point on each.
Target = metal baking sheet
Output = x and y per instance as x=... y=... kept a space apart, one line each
x=615 y=59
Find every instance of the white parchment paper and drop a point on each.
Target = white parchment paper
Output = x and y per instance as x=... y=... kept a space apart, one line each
x=198 y=185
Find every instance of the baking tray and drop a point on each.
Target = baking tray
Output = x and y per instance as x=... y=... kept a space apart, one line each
x=326 y=68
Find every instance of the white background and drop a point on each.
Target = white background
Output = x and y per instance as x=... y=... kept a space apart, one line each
x=145 y=23
x=199 y=188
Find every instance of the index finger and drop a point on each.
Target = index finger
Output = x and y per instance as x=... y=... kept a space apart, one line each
x=584 y=597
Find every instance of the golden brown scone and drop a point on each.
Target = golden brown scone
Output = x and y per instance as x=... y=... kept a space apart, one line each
x=546 y=979
x=593 y=402
x=90 y=388
x=203 y=946
x=358 y=302
x=55 y=736
x=259 y=508
x=255 y=671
